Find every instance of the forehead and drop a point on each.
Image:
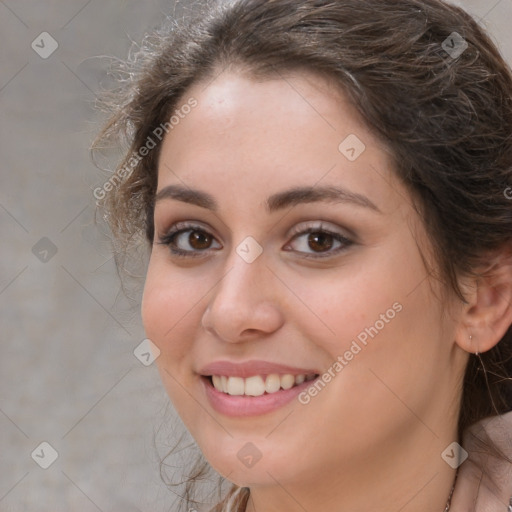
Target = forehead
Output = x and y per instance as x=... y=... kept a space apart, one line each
x=267 y=134
x=288 y=100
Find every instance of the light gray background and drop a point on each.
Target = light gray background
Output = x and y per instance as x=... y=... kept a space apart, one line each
x=68 y=373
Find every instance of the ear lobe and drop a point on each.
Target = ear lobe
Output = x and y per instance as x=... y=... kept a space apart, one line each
x=488 y=313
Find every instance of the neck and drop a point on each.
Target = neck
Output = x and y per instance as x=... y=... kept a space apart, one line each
x=414 y=479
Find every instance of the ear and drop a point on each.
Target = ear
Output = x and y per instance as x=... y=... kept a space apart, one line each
x=488 y=313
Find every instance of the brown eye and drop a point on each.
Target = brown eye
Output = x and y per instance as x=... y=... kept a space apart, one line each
x=317 y=242
x=199 y=240
x=189 y=241
x=320 y=242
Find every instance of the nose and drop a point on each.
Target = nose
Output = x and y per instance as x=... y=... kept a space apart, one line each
x=244 y=305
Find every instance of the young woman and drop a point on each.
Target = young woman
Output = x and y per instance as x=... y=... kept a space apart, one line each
x=325 y=190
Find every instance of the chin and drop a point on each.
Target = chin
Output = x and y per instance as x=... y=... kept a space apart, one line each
x=249 y=463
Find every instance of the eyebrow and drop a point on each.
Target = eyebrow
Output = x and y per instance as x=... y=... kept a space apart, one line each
x=275 y=202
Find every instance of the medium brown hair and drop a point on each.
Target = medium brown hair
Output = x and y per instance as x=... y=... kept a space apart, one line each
x=446 y=120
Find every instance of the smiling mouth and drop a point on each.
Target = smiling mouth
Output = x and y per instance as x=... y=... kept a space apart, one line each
x=257 y=385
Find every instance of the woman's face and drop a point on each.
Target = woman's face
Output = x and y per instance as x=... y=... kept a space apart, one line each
x=349 y=299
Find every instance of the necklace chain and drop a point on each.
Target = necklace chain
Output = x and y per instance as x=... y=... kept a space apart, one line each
x=449 y=502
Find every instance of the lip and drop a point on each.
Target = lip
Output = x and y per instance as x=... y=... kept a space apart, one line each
x=253 y=367
x=244 y=406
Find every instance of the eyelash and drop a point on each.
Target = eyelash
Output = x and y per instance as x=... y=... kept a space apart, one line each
x=169 y=239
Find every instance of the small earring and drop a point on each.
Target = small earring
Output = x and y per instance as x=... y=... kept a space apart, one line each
x=470 y=338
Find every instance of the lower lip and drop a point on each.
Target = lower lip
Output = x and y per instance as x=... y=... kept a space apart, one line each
x=243 y=405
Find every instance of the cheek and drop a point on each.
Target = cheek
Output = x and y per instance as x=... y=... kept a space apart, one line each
x=382 y=317
x=347 y=303
x=170 y=319
x=157 y=305
x=167 y=307
x=387 y=332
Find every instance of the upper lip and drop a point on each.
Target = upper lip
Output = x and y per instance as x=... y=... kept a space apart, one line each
x=250 y=368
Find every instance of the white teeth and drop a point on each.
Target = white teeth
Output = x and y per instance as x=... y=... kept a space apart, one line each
x=287 y=381
x=254 y=386
x=257 y=385
x=272 y=383
x=217 y=382
x=299 y=379
x=235 y=386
